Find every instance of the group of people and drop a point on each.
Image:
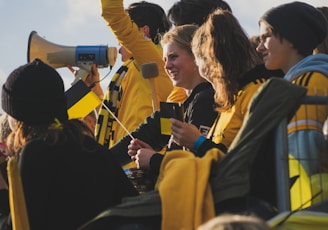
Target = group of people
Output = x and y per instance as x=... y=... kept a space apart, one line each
x=206 y=63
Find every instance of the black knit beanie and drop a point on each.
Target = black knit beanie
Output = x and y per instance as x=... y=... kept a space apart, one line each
x=34 y=93
x=300 y=23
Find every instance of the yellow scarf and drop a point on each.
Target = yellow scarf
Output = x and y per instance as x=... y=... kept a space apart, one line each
x=104 y=128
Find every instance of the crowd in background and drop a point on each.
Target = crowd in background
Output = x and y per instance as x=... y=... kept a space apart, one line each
x=69 y=171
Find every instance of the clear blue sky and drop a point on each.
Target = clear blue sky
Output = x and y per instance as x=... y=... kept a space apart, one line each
x=78 y=22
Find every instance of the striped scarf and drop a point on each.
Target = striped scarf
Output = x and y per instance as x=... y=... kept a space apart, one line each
x=105 y=124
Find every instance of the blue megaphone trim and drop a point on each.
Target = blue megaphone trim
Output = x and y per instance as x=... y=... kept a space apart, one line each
x=94 y=54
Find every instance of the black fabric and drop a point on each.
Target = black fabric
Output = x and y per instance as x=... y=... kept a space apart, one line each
x=257 y=75
x=232 y=178
x=253 y=146
x=140 y=211
x=300 y=23
x=4 y=202
x=34 y=93
x=68 y=184
x=199 y=110
x=246 y=206
x=125 y=223
x=258 y=72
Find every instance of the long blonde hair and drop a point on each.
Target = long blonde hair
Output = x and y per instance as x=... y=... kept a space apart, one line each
x=224 y=54
x=180 y=35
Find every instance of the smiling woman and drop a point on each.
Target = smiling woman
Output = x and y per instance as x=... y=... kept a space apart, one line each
x=294 y=30
x=80 y=23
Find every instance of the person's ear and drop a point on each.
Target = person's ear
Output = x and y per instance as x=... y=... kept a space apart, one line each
x=146 y=30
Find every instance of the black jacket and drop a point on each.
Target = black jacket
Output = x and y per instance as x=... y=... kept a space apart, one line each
x=66 y=185
x=199 y=110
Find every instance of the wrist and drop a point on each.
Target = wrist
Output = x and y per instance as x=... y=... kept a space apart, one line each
x=198 y=142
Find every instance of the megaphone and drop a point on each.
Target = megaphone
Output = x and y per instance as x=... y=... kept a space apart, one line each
x=59 y=56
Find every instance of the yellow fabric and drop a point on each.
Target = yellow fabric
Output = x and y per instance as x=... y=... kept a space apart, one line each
x=301 y=220
x=17 y=203
x=300 y=192
x=229 y=122
x=317 y=85
x=184 y=188
x=84 y=106
x=104 y=127
x=319 y=187
x=136 y=102
x=177 y=95
x=165 y=126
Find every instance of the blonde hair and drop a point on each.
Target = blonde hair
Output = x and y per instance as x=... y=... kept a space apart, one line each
x=180 y=35
x=235 y=222
x=224 y=54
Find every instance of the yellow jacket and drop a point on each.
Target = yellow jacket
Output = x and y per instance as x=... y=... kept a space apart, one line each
x=310 y=117
x=229 y=122
x=136 y=100
x=186 y=199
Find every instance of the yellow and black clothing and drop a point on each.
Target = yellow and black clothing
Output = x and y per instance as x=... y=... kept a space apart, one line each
x=134 y=102
x=199 y=111
x=227 y=125
x=305 y=136
x=67 y=184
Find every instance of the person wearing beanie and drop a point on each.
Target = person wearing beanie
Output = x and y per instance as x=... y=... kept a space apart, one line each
x=288 y=35
x=67 y=177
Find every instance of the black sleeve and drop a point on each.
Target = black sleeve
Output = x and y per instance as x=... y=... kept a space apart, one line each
x=148 y=131
x=201 y=110
x=36 y=167
x=207 y=145
x=5 y=223
x=155 y=162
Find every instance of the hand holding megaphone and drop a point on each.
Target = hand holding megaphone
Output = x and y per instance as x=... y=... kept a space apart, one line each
x=91 y=79
x=58 y=56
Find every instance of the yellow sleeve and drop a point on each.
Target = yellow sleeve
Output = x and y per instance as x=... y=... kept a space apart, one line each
x=143 y=49
x=177 y=95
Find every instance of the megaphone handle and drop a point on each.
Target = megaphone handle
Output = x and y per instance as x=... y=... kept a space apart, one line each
x=153 y=94
x=81 y=75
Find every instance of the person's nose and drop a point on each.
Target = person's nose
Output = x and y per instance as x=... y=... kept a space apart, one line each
x=260 y=47
x=168 y=65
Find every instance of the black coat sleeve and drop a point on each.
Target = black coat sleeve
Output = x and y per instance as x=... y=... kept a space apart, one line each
x=149 y=132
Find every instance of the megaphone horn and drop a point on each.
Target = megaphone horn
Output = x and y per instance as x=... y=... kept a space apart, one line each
x=59 y=56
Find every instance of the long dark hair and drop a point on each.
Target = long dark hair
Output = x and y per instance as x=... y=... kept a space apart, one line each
x=52 y=134
x=224 y=54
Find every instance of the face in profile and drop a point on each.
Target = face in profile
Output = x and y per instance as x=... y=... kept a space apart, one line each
x=274 y=50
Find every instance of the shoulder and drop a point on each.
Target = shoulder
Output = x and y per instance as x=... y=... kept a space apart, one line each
x=311 y=76
x=37 y=154
x=35 y=147
x=203 y=90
